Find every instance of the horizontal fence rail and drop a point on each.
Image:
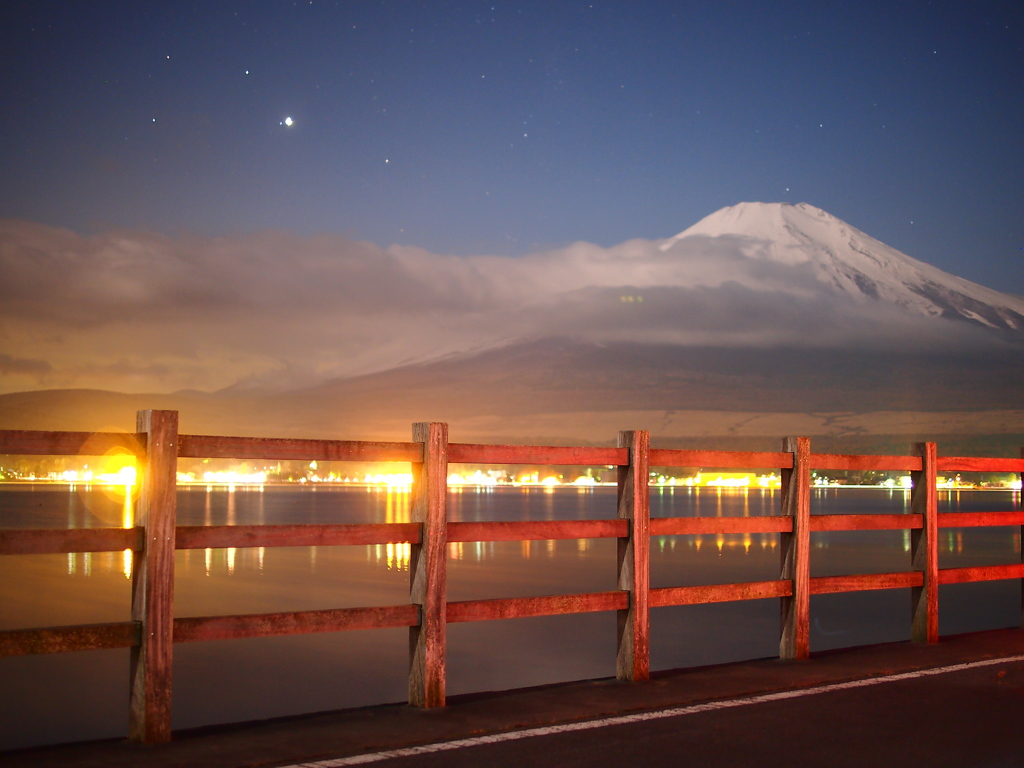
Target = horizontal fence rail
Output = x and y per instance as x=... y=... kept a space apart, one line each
x=209 y=447
x=468 y=453
x=83 y=637
x=59 y=541
x=720 y=459
x=293 y=623
x=155 y=536
x=863 y=463
x=31 y=443
x=223 y=536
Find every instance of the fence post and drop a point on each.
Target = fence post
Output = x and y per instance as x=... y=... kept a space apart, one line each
x=794 y=642
x=924 y=548
x=149 y=718
x=633 y=661
x=428 y=567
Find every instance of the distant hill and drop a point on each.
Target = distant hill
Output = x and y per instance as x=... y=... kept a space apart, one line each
x=562 y=392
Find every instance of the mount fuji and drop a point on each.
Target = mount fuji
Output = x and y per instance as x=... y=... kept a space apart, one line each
x=760 y=319
x=850 y=262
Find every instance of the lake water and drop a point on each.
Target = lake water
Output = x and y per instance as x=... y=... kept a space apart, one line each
x=84 y=695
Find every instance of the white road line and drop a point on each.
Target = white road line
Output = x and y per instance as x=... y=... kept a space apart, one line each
x=640 y=717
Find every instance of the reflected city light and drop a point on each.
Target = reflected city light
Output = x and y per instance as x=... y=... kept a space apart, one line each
x=397 y=505
x=542 y=498
x=398 y=555
x=127 y=521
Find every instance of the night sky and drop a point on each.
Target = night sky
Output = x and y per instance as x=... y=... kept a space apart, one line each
x=476 y=127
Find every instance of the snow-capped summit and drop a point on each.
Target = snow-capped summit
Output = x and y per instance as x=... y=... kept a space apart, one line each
x=852 y=262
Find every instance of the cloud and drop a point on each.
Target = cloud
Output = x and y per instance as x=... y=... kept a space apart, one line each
x=138 y=311
x=13 y=365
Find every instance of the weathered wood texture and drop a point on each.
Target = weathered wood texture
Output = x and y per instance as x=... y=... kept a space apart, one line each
x=472 y=453
x=662 y=597
x=924 y=550
x=221 y=536
x=537 y=530
x=794 y=641
x=974 y=464
x=685 y=526
x=981 y=573
x=634 y=558
x=153 y=580
x=427 y=567
x=83 y=637
x=19 y=442
x=865 y=522
x=670 y=457
x=825 y=585
x=196 y=628
x=523 y=607
x=225 y=447
x=862 y=463
x=44 y=541
x=979 y=519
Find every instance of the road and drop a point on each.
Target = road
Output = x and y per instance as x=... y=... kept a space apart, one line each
x=967 y=717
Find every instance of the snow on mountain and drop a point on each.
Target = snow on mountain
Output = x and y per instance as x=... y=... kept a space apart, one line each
x=851 y=262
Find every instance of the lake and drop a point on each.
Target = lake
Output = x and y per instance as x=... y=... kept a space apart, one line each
x=84 y=695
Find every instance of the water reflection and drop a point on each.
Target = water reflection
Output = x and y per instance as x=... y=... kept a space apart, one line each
x=82 y=562
x=54 y=590
x=127 y=521
x=395 y=556
x=397 y=504
x=84 y=506
x=675 y=560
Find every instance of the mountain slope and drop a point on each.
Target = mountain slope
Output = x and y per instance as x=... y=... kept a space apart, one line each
x=852 y=262
x=568 y=392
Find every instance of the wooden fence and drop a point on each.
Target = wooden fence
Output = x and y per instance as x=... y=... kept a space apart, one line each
x=152 y=630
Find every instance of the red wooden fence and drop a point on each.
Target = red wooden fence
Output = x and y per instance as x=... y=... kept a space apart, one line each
x=152 y=630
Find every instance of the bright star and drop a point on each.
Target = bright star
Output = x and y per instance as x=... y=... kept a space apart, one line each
x=288 y=122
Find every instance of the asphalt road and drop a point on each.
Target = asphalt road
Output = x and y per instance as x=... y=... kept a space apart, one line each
x=962 y=718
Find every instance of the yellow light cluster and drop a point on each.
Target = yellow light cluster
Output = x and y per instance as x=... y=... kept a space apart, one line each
x=724 y=480
x=123 y=476
x=477 y=478
x=224 y=478
x=397 y=480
